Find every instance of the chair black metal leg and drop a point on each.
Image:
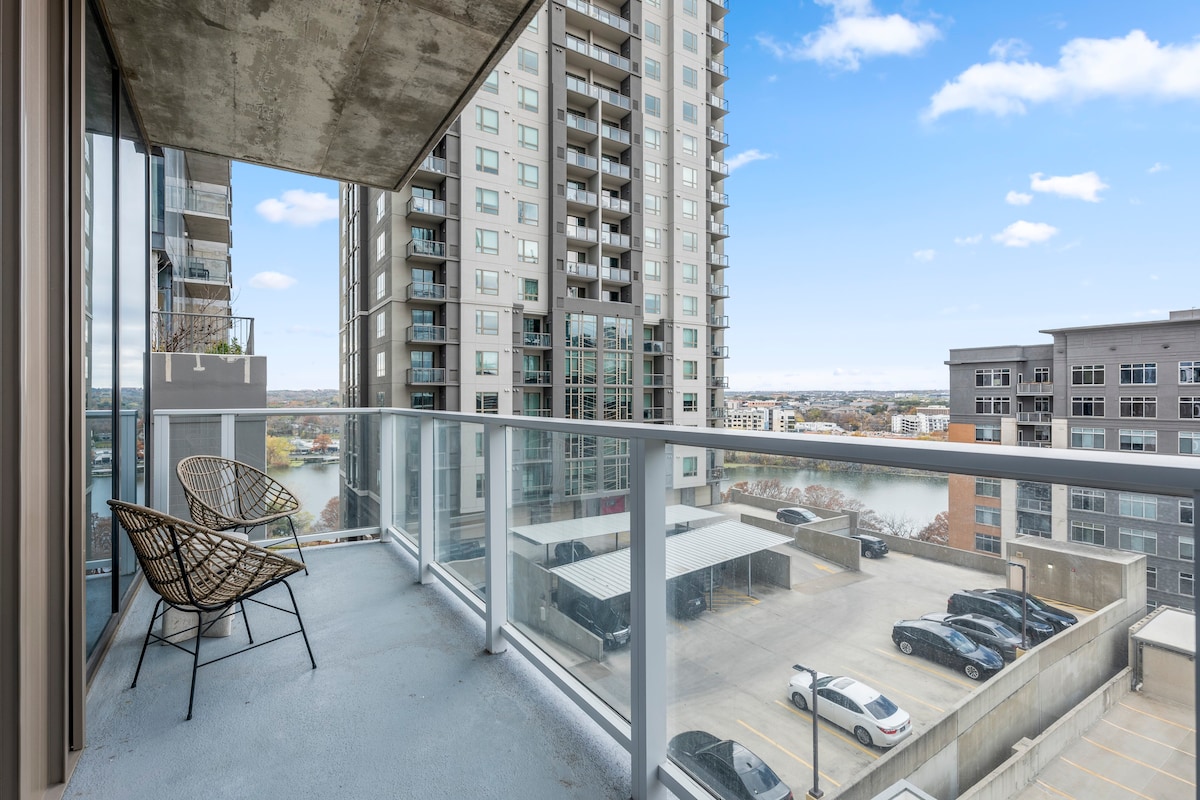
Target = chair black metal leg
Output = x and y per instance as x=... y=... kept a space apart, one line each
x=247 y=621
x=146 y=642
x=300 y=620
x=195 y=660
x=299 y=549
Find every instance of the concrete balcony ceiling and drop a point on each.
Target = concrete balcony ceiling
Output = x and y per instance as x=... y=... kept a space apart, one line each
x=358 y=90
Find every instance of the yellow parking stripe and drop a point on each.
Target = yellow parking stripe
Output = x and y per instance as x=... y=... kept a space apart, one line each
x=829 y=728
x=1148 y=739
x=1139 y=763
x=783 y=749
x=893 y=690
x=1058 y=792
x=1106 y=780
x=912 y=662
x=1160 y=719
x=823 y=568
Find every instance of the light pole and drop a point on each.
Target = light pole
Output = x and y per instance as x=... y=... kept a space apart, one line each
x=1024 y=606
x=815 y=792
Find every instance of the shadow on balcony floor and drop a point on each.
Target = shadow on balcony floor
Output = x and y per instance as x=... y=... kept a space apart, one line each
x=404 y=703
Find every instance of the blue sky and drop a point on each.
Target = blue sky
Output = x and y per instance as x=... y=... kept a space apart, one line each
x=909 y=177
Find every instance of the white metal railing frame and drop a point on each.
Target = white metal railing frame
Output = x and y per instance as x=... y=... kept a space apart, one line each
x=645 y=735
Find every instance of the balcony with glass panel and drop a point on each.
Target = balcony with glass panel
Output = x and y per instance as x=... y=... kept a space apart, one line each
x=717 y=138
x=586 y=14
x=604 y=60
x=718 y=39
x=716 y=259
x=536 y=377
x=616 y=135
x=614 y=240
x=718 y=169
x=614 y=206
x=426 y=375
x=1034 y=417
x=581 y=269
x=718 y=351
x=718 y=230
x=718 y=321
x=581 y=233
x=426 y=208
x=427 y=292
x=434 y=165
x=718 y=201
x=577 y=161
x=535 y=339
x=718 y=382
x=616 y=170
x=717 y=106
x=717 y=9
x=427 y=333
x=429 y=250
x=581 y=197
x=718 y=290
x=718 y=73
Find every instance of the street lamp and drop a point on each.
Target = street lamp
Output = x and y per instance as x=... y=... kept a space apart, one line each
x=1024 y=605
x=815 y=792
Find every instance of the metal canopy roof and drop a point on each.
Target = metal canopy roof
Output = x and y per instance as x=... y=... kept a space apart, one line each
x=607 y=576
x=571 y=530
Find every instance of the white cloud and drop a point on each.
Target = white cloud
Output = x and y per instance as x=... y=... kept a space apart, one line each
x=1084 y=186
x=1133 y=66
x=1158 y=167
x=272 y=280
x=924 y=255
x=976 y=239
x=858 y=31
x=1018 y=198
x=1007 y=49
x=745 y=157
x=1023 y=234
x=300 y=208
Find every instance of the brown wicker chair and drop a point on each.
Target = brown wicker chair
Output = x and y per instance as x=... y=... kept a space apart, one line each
x=223 y=494
x=205 y=573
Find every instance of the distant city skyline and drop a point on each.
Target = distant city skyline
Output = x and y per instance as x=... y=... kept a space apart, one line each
x=966 y=176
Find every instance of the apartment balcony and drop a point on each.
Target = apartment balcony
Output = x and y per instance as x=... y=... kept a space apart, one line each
x=428 y=250
x=716 y=473
x=718 y=321
x=609 y=63
x=538 y=377
x=615 y=168
x=612 y=22
x=654 y=414
x=717 y=105
x=582 y=88
x=537 y=412
x=1034 y=504
x=582 y=233
x=435 y=334
x=718 y=290
x=581 y=197
x=717 y=9
x=716 y=259
x=612 y=133
x=718 y=382
x=205 y=213
x=206 y=278
x=718 y=351
x=717 y=169
x=581 y=269
x=1035 y=389
x=435 y=165
x=616 y=275
x=718 y=39
x=1028 y=443
x=618 y=241
x=615 y=204
x=183 y=332
x=614 y=98
x=423 y=376
x=718 y=229
x=581 y=161
x=427 y=292
x=715 y=413
x=656 y=379
x=718 y=73
x=586 y=126
x=718 y=201
x=717 y=138
x=428 y=208
x=534 y=339
x=1034 y=417
x=656 y=347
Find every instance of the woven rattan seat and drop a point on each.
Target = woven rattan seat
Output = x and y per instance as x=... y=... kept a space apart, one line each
x=202 y=572
x=223 y=494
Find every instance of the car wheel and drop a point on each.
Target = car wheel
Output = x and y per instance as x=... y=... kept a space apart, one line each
x=972 y=671
x=799 y=702
x=905 y=648
x=863 y=736
x=868 y=554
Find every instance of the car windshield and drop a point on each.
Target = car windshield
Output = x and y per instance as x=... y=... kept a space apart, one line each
x=1003 y=631
x=756 y=776
x=882 y=708
x=959 y=642
x=610 y=619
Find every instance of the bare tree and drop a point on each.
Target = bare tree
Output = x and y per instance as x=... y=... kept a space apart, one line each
x=771 y=489
x=897 y=525
x=936 y=532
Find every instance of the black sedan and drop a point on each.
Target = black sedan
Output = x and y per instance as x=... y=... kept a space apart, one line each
x=982 y=630
x=1058 y=618
x=944 y=645
x=726 y=768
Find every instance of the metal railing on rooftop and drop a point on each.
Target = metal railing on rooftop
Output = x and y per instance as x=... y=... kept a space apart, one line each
x=218 y=334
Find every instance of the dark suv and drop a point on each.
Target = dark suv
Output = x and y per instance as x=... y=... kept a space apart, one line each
x=796 y=516
x=1001 y=609
x=603 y=620
x=1059 y=619
x=685 y=597
x=872 y=546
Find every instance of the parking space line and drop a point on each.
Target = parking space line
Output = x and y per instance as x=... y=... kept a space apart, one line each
x=892 y=689
x=783 y=749
x=823 y=568
x=911 y=661
x=1103 y=778
x=1059 y=792
x=828 y=728
x=1148 y=739
x=1160 y=719
x=1094 y=743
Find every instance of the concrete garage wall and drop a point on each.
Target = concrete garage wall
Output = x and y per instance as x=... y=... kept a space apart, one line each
x=829 y=546
x=530 y=597
x=1071 y=573
x=940 y=552
x=767 y=566
x=1031 y=757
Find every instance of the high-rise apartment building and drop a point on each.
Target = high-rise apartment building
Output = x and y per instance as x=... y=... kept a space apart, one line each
x=1131 y=388
x=560 y=252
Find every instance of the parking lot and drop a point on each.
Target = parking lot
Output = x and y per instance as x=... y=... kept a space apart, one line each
x=728 y=669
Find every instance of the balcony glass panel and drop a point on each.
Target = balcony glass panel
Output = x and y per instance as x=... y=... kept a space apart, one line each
x=406 y=478
x=458 y=495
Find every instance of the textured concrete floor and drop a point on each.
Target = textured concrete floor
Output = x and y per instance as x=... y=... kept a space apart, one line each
x=403 y=703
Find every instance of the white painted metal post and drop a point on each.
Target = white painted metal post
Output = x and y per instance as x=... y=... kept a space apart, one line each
x=495 y=528
x=426 y=502
x=387 y=473
x=228 y=436
x=162 y=464
x=648 y=607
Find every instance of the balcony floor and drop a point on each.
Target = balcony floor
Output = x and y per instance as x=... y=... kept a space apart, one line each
x=404 y=703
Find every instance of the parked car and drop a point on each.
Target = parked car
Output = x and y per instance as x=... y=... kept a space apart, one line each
x=935 y=641
x=570 y=552
x=871 y=717
x=796 y=516
x=1000 y=609
x=685 y=597
x=983 y=630
x=872 y=546
x=602 y=619
x=726 y=768
x=1058 y=619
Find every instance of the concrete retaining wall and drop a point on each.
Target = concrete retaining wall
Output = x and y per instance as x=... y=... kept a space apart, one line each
x=830 y=546
x=943 y=553
x=771 y=567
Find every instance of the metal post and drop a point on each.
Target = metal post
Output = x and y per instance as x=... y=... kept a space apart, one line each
x=1024 y=606
x=426 y=502
x=815 y=792
x=387 y=473
x=161 y=463
x=229 y=436
x=495 y=531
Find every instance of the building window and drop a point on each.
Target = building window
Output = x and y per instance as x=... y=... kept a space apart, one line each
x=690 y=209
x=1087 y=438
x=1141 y=506
x=1189 y=408
x=689 y=177
x=993 y=377
x=527 y=137
x=986 y=515
x=987 y=433
x=691 y=146
x=690 y=306
x=527 y=98
x=492 y=83
x=380 y=205
x=1087 y=500
x=1087 y=406
x=380 y=247
x=653 y=204
x=690 y=403
x=1139 y=541
x=1138 y=441
x=653 y=105
x=1152 y=578
x=527 y=212
x=487 y=242
x=487 y=362
x=380 y=285
x=652 y=69
x=1187 y=584
x=487 y=402
x=487 y=161
x=690 y=42
x=529 y=289
x=653 y=32
x=380 y=365
x=1189 y=371
x=1087 y=375
x=487 y=323
x=652 y=138
x=690 y=112
x=987 y=544
x=487 y=282
x=1187 y=510
x=1146 y=407
x=1087 y=533
x=527 y=61
x=527 y=251
x=1187 y=548
x=987 y=487
x=992 y=405
x=689 y=7
x=690 y=373
x=1139 y=374
x=527 y=175
x=690 y=77
x=380 y=324
x=691 y=338
x=1189 y=443
x=652 y=270
x=487 y=119
x=653 y=303
x=691 y=273
x=478 y=484
x=690 y=466
x=690 y=241
x=487 y=201
x=652 y=236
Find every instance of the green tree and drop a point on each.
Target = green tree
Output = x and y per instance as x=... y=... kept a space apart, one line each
x=278 y=451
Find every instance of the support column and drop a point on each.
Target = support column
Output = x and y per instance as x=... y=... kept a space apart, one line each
x=495 y=528
x=427 y=501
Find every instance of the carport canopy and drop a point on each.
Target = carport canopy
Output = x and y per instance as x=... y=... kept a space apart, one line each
x=607 y=576
x=572 y=530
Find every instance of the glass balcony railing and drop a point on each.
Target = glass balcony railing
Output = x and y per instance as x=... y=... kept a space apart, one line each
x=614 y=168
x=427 y=333
x=420 y=375
x=614 y=239
x=718 y=135
x=427 y=205
x=434 y=164
x=616 y=274
x=582 y=196
x=200 y=268
x=582 y=124
x=718 y=290
x=607 y=17
x=537 y=377
x=599 y=53
x=611 y=203
x=582 y=232
x=615 y=134
x=534 y=339
x=583 y=160
x=427 y=291
x=718 y=259
x=718 y=351
x=581 y=268
x=426 y=248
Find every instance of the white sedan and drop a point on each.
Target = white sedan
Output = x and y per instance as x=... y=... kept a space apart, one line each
x=847 y=703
